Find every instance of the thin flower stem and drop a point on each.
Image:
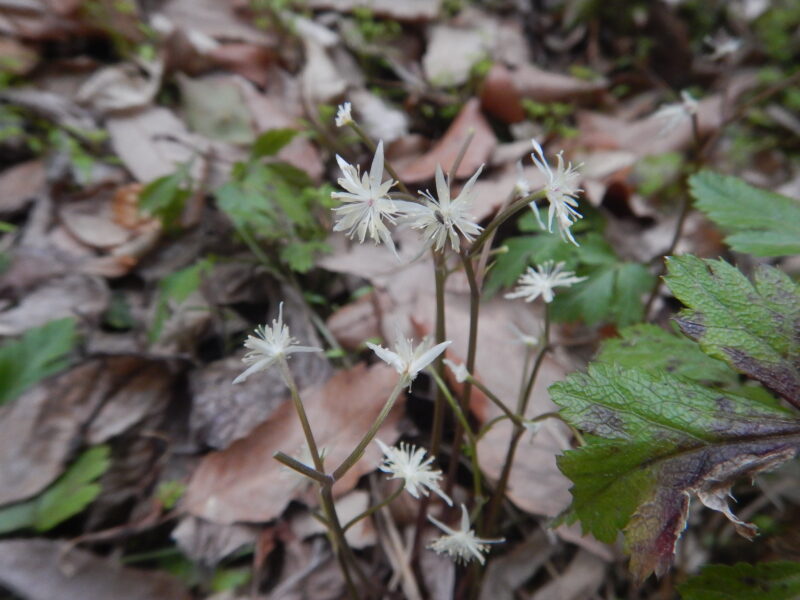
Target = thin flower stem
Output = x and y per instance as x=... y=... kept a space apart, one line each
x=459 y=157
x=341 y=549
x=288 y=379
x=493 y=511
x=487 y=245
x=356 y=454
x=474 y=311
x=491 y=423
x=373 y=147
x=301 y=468
x=372 y=509
x=501 y=218
x=465 y=427
x=497 y=402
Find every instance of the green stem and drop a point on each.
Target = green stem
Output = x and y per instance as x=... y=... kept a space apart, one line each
x=356 y=454
x=288 y=379
x=474 y=311
x=465 y=427
x=372 y=509
x=301 y=468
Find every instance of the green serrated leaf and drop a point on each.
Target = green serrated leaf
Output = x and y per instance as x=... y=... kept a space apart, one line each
x=760 y=222
x=762 y=581
x=271 y=142
x=41 y=352
x=656 y=439
x=751 y=326
x=650 y=347
x=73 y=491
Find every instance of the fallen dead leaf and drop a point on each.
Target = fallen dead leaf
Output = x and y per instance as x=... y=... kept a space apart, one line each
x=581 y=580
x=122 y=87
x=381 y=121
x=20 y=184
x=243 y=482
x=40 y=569
x=320 y=78
x=99 y=398
x=18 y=58
x=216 y=20
x=499 y=95
x=248 y=60
x=213 y=107
x=546 y=86
x=92 y=222
x=208 y=543
x=74 y=295
x=152 y=143
x=451 y=54
x=507 y=573
x=444 y=152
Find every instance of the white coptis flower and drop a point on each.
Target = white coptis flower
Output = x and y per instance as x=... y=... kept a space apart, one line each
x=461 y=545
x=269 y=345
x=540 y=281
x=459 y=371
x=441 y=218
x=366 y=202
x=673 y=115
x=522 y=188
x=344 y=115
x=408 y=463
x=722 y=46
x=561 y=190
x=407 y=360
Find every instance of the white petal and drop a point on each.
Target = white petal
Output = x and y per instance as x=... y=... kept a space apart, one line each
x=376 y=171
x=442 y=190
x=427 y=358
x=388 y=357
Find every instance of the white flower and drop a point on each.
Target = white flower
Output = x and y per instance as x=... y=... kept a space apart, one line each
x=442 y=218
x=522 y=188
x=344 y=115
x=561 y=190
x=408 y=463
x=409 y=361
x=459 y=371
x=722 y=46
x=366 y=201
x=673 y=115
x=541 y=281
x=269 y=345
x=462 y=545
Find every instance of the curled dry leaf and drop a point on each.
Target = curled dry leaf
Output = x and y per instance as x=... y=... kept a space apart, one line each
x=243 y=482
x=40 y=569
x=445 y=151
x=122 y=87
x=208 y=543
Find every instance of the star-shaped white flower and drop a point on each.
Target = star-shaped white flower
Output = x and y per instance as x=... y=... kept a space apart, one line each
x=407 y=360
x=540 y=281
x=269 y=345
x=461 y=545
x=366 y=202
x=673 y=115
x=561 y=190
x=344 y=115
x=441 y=218
x=408 y=463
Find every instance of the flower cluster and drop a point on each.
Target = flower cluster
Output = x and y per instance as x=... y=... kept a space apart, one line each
x=270 y=345
x=408 y=463
x=540 y=281
x=407 y=360
x=461 y=545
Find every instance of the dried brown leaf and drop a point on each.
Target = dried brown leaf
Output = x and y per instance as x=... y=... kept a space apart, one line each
x=39 y=569
x=243 y=482
x=445 y=151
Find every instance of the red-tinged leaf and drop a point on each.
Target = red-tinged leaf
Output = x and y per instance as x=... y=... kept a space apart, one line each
x=657 y=439
x=754 y=327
